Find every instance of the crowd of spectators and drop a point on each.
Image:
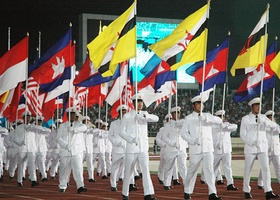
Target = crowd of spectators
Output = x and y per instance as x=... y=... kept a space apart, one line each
x=234 y=111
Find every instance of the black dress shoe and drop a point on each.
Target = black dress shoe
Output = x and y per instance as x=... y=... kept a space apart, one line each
x=91 y=180
x=133 y=187
x=136 y=178
x=187 y=196
x=160 y=181
x=214 y=196
x=260 y=187
x=232 y=187
x=109 y=174
x=149 y=197
x=52 y=177
x=248 y=195
x=166 y=187
x=220 y=182
x=202 y=182
x=61 y=190
x=98 y=174
x=114 y=189
x=176 y=182
x=125 y=197
x=271 y=195
x=34 y=183
x=23 y=178
x=45 y=179
x=19 y=184
x=81 y=189
x=11 y=177
x=104 y=177
x=1 y=178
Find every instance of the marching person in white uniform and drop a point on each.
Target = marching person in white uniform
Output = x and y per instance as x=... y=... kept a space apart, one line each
x=273 y=149
x=134 y=130
x=223 y=149
x=197 y=131
x=252 y=132
x=118 y=148
x=26 y=141
x=3 y=133
x=71 y=140
x=108 y=149
x=175 y=149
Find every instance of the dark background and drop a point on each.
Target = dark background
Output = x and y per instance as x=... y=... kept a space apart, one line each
x=52 y=18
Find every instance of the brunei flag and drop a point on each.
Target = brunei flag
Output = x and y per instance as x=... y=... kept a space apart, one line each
x=179 y=40
x=253 y=52
x=115 y=44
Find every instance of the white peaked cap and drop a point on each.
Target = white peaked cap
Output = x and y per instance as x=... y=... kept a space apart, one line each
x=196 y=99
x=122 y=107
x=105 y=124
x=269 y=112
x=72 y=109
x=86 y=118
x=98 y=121
x=175 y=109
x=220 y=112
x=27 y=112
x=168 y=116
x=139 y=96
x=256 y=100
x=39 y=118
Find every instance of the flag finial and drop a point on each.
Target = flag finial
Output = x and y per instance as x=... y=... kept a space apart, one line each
x=229 y=33
x=70 y=24
x=276 y=38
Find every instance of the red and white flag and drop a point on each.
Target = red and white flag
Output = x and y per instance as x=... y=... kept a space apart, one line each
x=14 y=66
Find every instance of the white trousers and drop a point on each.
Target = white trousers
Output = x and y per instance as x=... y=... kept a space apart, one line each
x=207 y=160
x=116 y=169
x=30 y=158
x=275 y=160
x=249 y=162
x=40 y=160
x=76 y=164
x=130 y=162
x=226 y=163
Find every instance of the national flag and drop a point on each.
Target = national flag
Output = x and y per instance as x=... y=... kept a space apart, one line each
x=88 y=76
x=151 y=96
x=9 y=109
x=215 y=69
x=80 y=97
x=118 y=85
x=13 y=66
x=55 y=65
x=126 y=95
x=251 y=86
x=115 y=44
x=252 y=54
x=162 y=99
x=275 y=65
x=179 y=40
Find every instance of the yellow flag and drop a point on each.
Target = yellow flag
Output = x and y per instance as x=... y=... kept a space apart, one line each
x=275 y=65
x=115 y=44
x=253 y=52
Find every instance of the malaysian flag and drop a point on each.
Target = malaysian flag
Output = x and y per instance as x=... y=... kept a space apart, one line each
x=162 y=99
x=80 y=97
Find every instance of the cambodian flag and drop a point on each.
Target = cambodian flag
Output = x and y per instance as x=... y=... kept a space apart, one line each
x=55 y=65
x=215 y=69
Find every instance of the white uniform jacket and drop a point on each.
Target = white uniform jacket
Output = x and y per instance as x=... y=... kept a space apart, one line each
x=71 y=143
x=88 y=136
x=199 y=134
x=40 y=137
x=172 y=137
x=273 y=141
x=134 y=130
x=118 y=143
x=221 y=137
x=160 y=141
x=254 y=134
x=25 y=139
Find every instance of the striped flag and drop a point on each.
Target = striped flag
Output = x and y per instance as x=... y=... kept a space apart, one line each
x=162 y=99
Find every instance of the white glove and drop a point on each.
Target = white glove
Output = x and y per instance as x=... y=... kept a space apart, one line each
x=202 y=117
x=68 y=147
x=223 y=125
x=139 y=116
x=255 y=143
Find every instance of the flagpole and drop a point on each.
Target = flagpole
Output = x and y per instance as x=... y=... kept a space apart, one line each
x=273 y=90
x=213 y=99
x=9 y=47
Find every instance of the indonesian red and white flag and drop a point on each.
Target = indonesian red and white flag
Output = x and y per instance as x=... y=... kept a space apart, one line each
x=14 y=66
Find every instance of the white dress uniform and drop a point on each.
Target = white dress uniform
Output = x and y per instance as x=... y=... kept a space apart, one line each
x=88 y=137
x=222 y=150
x=197 y=131
x=118 y=152
x=26 y=141
x=256 y=145
x=55 y=148
x=108 y=152
x=134 y=131
x=273 y=150
x=71 y=140
x=175 y=151
x=3 y=134
x=41 y=153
